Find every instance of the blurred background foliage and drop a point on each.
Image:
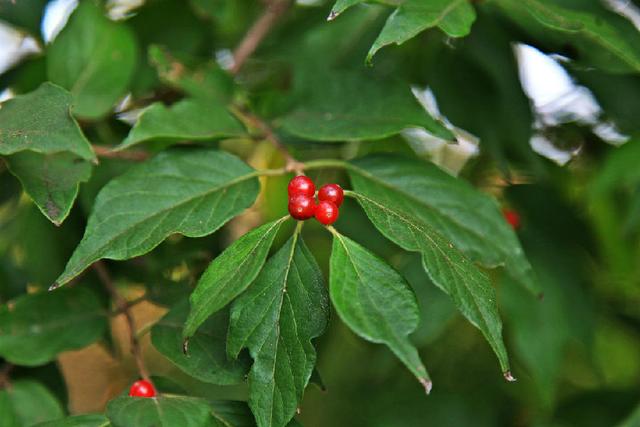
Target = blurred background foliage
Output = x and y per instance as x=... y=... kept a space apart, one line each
x=551 y=127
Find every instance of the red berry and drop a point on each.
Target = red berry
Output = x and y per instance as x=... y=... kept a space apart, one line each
x=512 y=217
x=326 y=212
x=331 y=193
x=142 y=388
x=301 y=207
x=301 y=185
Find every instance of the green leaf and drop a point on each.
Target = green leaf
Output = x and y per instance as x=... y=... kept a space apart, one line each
x=230 y=274
x=51 y=180
x=399 y=219
x=633 y=420
x=89 y=420
x=230 y=413
x=41 y=121
x=471 y=220
x=454 y=17
x=26 y=14
x=207 y=359
x=36 y=327
x=355 y=107
x=375 y=302
x=188 y=119
x=276 y=319
x=602 y=35
x=26 y=403
x=94 y=58
x=342 y=5
x=165 y=411
x=192 y=192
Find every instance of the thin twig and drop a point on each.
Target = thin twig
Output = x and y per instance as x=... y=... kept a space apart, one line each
x=253 y=121
x=122 y=305
x=108 y=153
x=274 y=9
x=5 y=381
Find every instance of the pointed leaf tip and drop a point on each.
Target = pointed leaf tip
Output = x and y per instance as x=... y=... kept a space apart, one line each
x=332 y=15
x=428 y=385
x=185 y=346
x=509 y=377
x=53 y=287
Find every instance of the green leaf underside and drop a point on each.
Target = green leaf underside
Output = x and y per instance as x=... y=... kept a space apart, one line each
x=375 y=302
x=89 y=420
x=231 y=413
x=611 y=36
x=166 y=410
x=207 y=359
x=191 y=192
x=354 y=107
x=276 y=319
x=26 y=403
x=454 y=17
x=40 y=121
x=186 y=120
x=39 y=326
x=471 y=219
x=94 y=58
x=51 y=180
x=469 y=288
x=230 y=274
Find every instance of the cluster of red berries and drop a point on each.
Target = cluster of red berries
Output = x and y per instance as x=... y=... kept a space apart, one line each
x=302 y=205
x=142 y=388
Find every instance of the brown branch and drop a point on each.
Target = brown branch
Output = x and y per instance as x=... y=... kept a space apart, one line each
x=274 y=9
x=122 y=305
x=5 y=381
x=108 y=153
x=253 y=121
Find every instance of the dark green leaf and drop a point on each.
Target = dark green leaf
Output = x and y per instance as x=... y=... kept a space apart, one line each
x=36 y=327
x=471 y=220
x=27 y=403
x=25 y=13
x=207 y=359
x=186 y=120
x=90 y=420
x=633 y=420
x=51 y=180
x=192 y=192
x=230 y=274
x=94 y=58
x=375 y=302
x=276 y=319
x=230 y=413
x=165 y=411
x=355 y=107
x=398 y=218
x=454 y=17
x=40 y=121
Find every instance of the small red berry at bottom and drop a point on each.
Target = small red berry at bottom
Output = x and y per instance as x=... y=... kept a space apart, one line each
x=512 y=217
x=142 y=388
x=301 y=185
x=301 y=207
x=331 y=193
x=326 y=212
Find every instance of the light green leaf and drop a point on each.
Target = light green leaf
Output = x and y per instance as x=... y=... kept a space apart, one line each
x=276 y=319
x=454 y=17
x=192 y=192
x=396 y=216
x=89 y=420
x=188 y=119
x=375 y=302
x=165 y=411
x=207 y=359
x=27 y=403
x=40 y=121
x=51 y=180
x=471 y=220
x=633 y=420
x=355 y=107
x=94 y=58
x=342 y=5
x=36 y=327
x=230 y=274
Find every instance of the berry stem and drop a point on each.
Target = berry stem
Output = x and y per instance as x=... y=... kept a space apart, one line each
x=122 y=305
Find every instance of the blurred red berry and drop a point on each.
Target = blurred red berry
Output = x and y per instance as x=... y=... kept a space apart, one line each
x=301 y=185
x=331 y=193
x=142 y=388
x=512 y=217
x=326 y=212
x=301 y=207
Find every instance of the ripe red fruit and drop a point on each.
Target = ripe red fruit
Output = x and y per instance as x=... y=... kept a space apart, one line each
x=301 y=207
x=301 y=185
x=331 y=193
x=512 y=217
x=142 y=388
x=326 y=212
